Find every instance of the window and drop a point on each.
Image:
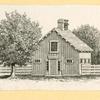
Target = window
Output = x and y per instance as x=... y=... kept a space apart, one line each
x=37 y=60
x=69 y=61
x=58 y=65
x=84 y=60
x=81 y=60
x=54 y=46
x=47 y=65
x=89 y=61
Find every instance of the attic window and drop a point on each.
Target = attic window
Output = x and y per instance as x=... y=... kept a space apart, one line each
x=53 y=46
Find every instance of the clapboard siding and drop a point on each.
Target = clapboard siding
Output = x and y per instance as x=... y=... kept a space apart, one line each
x=66 y=51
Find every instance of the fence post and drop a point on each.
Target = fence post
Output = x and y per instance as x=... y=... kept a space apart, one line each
x=80 y=69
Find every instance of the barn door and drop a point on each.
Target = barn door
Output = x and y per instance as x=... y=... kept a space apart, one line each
x=53 y=68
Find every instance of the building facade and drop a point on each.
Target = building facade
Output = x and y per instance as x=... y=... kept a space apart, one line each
x=60 y=53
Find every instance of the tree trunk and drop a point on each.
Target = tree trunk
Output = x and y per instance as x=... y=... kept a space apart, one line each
x=12 y=75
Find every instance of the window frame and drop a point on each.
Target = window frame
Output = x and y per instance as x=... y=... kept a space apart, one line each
x=57 y=46
x=81 y=60
x=89 y=61
x=37 y=62
x=85 y=61
x=69 y=62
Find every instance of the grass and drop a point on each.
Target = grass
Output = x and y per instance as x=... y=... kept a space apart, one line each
x=59 y=78
x=65 y=78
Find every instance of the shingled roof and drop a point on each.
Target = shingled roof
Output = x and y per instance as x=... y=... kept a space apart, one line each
x=72 y=39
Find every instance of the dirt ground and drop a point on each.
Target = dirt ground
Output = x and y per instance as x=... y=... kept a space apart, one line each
x=84 y=83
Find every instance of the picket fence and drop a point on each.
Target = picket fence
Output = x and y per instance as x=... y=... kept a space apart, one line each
x=90 y=69
x=24 y=70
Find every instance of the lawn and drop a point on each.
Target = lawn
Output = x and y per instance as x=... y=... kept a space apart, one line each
x=67 y=83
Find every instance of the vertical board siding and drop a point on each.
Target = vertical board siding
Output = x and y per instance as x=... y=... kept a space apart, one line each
x=70 y=53
x=38 y=70
x=66 y=51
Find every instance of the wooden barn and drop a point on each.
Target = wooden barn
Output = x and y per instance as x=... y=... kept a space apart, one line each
x=60 y=53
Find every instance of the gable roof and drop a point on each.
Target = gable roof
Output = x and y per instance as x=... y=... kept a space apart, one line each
x=72 y=39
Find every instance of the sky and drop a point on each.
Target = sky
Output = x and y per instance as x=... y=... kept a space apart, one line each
x=47 y=16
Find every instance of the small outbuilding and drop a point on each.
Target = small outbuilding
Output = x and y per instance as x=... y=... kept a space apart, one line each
x=60 y=53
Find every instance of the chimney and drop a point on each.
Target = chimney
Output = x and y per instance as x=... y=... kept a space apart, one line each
x=63 y=24
x=66 y=24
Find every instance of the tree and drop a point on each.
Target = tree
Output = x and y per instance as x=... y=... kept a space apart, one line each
x=18 y=39
x=91 y=36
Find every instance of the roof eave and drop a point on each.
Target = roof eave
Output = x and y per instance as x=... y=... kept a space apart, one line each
x=86 y=51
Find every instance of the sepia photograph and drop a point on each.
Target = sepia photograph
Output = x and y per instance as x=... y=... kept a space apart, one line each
x=49 y=47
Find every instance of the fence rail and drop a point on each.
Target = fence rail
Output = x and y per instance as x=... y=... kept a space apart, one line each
x=25 y=70
x=5 y=70
x=90 y=69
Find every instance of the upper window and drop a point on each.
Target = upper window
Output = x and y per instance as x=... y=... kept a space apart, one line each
x=85 y=60
x=81 y=60
x=89 y=61
x=54 y=46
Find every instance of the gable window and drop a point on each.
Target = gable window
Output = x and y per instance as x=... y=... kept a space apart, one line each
x=54 y=46
x=69 y=61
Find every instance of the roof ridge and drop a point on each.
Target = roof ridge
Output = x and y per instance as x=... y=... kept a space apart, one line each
x=71 y=38
x=68 y=32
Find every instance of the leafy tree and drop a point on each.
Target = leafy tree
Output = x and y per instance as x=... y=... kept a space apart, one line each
x=91 y=36
x=18 y=38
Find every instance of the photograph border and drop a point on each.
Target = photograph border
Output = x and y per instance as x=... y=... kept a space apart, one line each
x=49 y=95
